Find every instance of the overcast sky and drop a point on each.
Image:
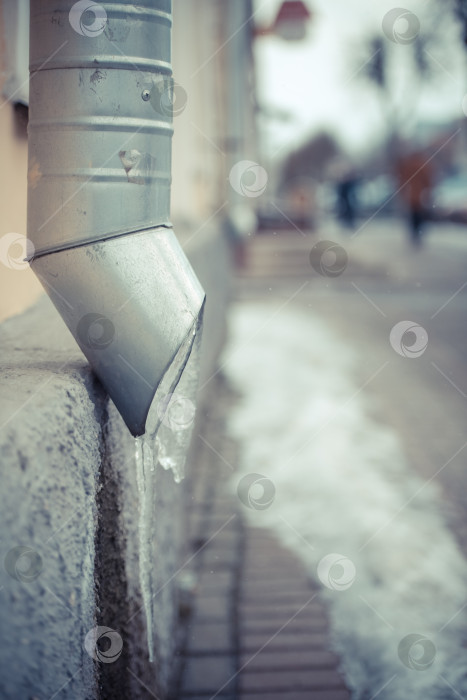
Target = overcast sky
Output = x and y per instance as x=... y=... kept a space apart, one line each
x=319 y=80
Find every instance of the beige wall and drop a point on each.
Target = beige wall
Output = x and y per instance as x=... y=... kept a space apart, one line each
x=198 y=179
x=19 y=288
x=208 y=136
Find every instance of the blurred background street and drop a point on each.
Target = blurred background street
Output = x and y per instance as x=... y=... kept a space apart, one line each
x=356 y=450
x=385 y=281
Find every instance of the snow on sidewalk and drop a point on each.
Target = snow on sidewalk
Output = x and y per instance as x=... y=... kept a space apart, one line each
x=335 y=486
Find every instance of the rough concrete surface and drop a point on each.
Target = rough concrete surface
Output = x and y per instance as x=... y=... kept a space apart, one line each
x=50 y=445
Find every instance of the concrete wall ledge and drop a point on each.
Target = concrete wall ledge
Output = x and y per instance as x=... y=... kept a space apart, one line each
x=51 y=417
x=72 y=531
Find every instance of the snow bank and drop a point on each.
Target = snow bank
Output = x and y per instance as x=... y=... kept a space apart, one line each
x=341 y=486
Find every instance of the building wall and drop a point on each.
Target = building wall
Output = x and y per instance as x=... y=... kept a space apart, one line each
x=197 y=187
x=213 y=63
x=19 y=288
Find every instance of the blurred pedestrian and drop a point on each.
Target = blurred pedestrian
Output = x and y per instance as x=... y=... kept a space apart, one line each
x=346 y=200
x=415 y=175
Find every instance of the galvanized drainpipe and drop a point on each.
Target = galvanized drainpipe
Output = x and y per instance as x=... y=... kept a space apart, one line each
x=99 y=190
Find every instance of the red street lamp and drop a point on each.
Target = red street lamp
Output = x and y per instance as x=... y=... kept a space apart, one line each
x=290 y=22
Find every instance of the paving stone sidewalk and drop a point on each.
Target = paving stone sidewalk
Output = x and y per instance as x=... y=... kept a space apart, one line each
x=255 y=626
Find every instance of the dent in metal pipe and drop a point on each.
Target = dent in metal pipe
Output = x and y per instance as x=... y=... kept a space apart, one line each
x=99 y=191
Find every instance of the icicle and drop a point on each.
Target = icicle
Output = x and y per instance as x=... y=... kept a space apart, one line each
x=145 y=481
x=165 y=442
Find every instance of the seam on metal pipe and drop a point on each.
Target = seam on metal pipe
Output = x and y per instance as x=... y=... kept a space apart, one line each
x=129 y=63
x=163 y=227
x=127 y=124
x=138 y=12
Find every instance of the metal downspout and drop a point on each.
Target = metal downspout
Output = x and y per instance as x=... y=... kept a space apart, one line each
x=99 y=191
